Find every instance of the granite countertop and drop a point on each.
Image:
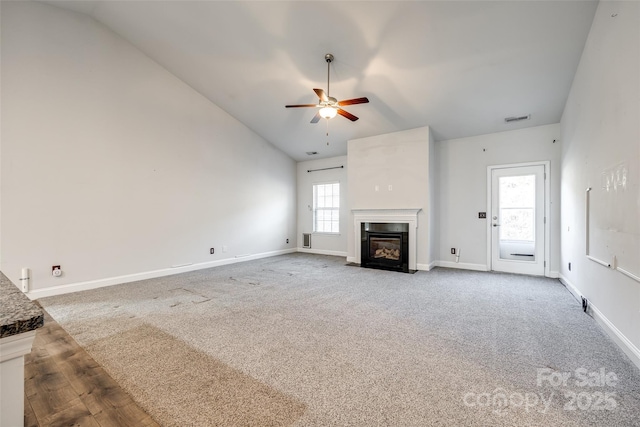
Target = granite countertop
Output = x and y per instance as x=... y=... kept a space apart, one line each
x=18 y=314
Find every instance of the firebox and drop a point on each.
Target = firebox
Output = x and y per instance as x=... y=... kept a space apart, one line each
x=385 y=246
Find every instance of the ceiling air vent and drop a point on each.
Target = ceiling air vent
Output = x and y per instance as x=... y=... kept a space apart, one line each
x=311 y=153
x=517 y=118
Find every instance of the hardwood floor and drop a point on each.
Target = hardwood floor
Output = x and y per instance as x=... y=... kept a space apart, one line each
x=64 y=386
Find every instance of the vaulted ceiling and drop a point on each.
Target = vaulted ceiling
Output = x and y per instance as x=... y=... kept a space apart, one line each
x=459 y=67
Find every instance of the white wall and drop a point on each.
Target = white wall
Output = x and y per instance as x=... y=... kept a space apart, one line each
x=433 y=203
x=463 y=188
x=111 y=166
x=600 y=128
x=330 y=244
x=400 y=160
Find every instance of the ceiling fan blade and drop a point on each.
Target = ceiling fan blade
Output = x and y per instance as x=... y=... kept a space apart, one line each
x=353 y=101
x=316 y=118
x=300 y=105
x=321 y=95
x=347 y=115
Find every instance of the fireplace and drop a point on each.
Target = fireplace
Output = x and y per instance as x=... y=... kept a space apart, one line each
x=388 y=217
x=385 y=246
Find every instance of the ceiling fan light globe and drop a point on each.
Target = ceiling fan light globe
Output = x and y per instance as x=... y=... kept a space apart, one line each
x=328 y=112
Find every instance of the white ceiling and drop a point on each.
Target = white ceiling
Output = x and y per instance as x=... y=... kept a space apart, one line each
x=459 y=67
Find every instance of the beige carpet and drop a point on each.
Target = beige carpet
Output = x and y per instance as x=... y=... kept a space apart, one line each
x=195 y=389
x=304 y=340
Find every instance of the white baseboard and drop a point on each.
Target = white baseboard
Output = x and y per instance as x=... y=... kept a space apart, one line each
x=322 y=252
x=462 y=265
x=574 y=291
x=353 y=260
x=110 y=281
x=618 y=337
x=427 y=267
x=476 y=267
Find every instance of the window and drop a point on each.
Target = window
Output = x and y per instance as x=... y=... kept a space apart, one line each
x=517 y=208
x=326 y=208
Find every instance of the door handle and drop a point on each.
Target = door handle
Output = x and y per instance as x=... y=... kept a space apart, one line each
x=496 y=225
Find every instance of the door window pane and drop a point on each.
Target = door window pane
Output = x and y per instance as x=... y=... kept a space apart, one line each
x=517 y=199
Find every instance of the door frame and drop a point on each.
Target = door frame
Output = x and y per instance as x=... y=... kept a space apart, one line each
x=547 y=209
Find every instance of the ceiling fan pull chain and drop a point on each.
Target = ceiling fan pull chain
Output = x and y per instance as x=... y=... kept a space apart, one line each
x=327 y=132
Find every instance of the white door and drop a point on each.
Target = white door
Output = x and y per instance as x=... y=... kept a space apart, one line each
x=517 y=219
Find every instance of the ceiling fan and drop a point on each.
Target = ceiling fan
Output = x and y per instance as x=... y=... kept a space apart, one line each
x=330 y=106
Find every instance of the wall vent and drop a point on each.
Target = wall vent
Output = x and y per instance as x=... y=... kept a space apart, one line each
x=306 y=240
x=517 y=118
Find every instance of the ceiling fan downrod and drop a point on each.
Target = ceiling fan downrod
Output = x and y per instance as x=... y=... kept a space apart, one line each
x=329 y=58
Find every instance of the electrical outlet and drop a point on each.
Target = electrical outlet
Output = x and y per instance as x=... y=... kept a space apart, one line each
x=212 y=251
x=482 y=214
x=453 y=251
x=287 y=240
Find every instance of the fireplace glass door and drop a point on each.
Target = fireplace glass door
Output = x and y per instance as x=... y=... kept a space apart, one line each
x=385 y=247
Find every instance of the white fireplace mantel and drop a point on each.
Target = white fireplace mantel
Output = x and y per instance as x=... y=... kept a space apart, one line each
x=408 y=216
